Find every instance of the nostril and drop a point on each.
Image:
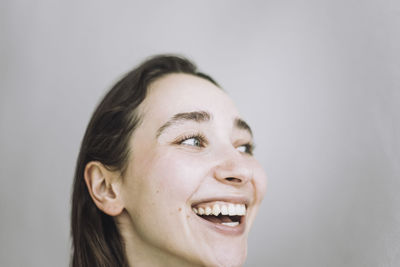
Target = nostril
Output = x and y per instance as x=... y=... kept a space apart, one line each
x=233 y=179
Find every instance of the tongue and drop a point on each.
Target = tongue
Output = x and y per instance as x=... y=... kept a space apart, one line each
x=217 y=219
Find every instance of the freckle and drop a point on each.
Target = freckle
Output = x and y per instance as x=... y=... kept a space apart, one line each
x=158 y=191
x=187 y=216
x=180 y=209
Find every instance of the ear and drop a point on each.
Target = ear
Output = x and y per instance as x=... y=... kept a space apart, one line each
x=104 y=188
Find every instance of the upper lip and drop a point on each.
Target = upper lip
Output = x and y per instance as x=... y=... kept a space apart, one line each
x=231 y=199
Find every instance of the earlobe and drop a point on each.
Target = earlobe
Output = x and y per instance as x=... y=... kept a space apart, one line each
x=104 y=188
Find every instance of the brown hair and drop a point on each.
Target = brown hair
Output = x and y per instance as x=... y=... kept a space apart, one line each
x=96 y=240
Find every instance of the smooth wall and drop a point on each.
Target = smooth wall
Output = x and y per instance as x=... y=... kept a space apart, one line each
x=319 y=81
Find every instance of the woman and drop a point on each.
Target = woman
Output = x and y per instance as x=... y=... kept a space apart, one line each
x=165 y=174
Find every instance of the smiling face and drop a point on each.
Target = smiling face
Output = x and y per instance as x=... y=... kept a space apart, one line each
x=192 y=187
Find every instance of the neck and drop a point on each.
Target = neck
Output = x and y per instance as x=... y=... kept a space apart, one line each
x=142 y=254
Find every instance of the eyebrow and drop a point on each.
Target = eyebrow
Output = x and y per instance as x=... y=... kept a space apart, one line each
x=196 y=116
x=241 y=124
x=199 y=116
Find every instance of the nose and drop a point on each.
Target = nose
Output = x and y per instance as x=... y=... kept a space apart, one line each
x=233 y=170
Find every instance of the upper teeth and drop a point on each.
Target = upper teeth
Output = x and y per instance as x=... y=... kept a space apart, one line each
x=223 y=209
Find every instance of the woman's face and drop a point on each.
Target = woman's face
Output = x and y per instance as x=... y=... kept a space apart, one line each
x=190 y=154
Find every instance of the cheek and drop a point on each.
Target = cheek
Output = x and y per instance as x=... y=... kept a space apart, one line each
x=178 y=174
x=159 y=192
x=166 y=178
x=260 y=181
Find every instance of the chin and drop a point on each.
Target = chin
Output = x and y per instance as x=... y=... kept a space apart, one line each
x=222 y=252
x=230 y=257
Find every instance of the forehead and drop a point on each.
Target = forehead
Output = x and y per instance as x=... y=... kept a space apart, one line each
x=176 y=93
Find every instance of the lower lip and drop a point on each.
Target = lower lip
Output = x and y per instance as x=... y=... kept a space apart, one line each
x=224 y=229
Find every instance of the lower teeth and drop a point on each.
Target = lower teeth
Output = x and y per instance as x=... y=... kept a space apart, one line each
x=230 y=223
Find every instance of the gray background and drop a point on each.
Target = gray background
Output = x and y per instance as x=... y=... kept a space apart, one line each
x=318 y=81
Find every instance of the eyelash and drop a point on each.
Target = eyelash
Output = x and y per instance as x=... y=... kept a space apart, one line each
x=198 y=136
x=203 y=142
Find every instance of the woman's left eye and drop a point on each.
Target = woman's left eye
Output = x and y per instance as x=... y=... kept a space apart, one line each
x=247 y=148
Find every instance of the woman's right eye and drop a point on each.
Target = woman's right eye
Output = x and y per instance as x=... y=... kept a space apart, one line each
x=196 y=140
x=193 y=141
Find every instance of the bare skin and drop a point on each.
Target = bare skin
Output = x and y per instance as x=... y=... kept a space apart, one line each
x=191 y=150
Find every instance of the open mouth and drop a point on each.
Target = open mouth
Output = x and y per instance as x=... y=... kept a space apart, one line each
x=223 y=213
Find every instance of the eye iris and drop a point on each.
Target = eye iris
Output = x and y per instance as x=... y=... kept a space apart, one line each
x=196 y=142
